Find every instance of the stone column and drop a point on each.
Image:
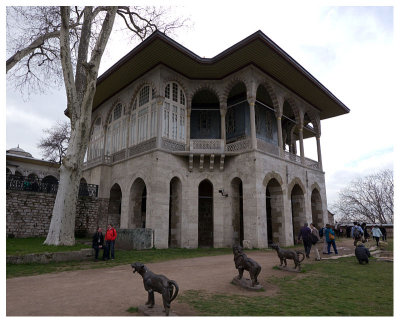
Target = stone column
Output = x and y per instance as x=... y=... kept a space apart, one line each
x=188 y=113
x=301 y=144
x=319 y=152
x=160 y=102
x=280 y=139
x=253 y=123
x=223 y=111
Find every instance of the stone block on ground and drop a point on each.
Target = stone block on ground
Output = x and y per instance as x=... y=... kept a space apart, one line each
x=157 y=310
x=245 y=283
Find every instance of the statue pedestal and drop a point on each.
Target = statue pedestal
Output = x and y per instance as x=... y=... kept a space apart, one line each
x=297 y=270
x=155 y=311
x=245 y=283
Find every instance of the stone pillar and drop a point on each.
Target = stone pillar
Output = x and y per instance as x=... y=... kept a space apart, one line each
x=125 y=214
x=280 y=139
x=253 y=123
x=160 y=102
x=301 y=144
x=223 y=111
x=319 y=152
x=188 y=113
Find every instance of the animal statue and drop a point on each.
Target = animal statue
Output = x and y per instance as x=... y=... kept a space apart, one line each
x=157 y=283
x=242 y=263
x=362 y=253
x=284 y=254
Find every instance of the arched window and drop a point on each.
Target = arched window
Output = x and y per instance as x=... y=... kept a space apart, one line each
x=143 y=119
x=174 y=113
x=96 y=141
x=116 y=130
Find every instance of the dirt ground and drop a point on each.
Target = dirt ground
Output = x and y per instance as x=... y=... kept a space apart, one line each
x=112 y=291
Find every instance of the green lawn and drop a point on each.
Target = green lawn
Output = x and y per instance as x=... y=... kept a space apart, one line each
x=328 y=288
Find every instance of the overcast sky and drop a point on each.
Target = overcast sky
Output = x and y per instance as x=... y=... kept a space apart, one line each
x=349 y=50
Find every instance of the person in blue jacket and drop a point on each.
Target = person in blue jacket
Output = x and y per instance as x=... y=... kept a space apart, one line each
x=330 y=241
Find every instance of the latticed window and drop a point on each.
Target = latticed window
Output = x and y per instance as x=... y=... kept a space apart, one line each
x=96 y=141
x=230 y=122
x=143 y=117
x=116 y=130
x=174 y=113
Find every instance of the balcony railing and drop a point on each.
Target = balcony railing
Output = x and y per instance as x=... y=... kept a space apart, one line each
x=21 y=183
x=207 y=145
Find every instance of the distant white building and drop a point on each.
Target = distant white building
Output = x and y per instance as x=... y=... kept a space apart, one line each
x=209 y=152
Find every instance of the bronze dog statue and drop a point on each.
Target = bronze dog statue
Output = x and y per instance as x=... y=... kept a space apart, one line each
x=242 y=263
x=157 y=283
x=288 y=254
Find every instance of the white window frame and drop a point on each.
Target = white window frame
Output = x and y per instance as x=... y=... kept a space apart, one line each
x=174 y=113
x=116 y=131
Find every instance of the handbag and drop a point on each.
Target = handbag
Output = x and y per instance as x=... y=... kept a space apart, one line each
x=314 y=239
x=331 y=236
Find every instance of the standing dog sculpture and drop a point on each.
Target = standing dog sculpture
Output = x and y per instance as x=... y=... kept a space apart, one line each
x=157 y=283
x=288 y=254
x=242 y=263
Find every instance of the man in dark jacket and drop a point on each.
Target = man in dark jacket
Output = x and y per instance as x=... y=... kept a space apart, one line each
x=362 y=253
x=98 y=243
x=305 y=235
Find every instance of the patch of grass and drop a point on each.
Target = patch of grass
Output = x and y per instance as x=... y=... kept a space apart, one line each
x=121 y=257
x=23 y=246
x=329 y=288
x=132 y=309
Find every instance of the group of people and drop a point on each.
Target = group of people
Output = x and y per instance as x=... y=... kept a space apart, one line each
x=106 y=242
x=310 y=235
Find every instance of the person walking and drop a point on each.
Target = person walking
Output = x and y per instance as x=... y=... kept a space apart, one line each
x=356 y=233
x=366 y=234
x=304 y=235
x=325 y=248
x=383 y=230
x=376 y=234
x=98 y=243
x=314 y=246
x=111 y=235
x=330 y=239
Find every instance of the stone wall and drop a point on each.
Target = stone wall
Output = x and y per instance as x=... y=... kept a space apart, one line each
x=28 y=214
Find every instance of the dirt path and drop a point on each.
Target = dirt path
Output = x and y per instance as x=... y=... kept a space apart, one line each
x=111 y=291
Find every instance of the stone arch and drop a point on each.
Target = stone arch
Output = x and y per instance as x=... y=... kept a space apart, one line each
x=272 y=94
x=204 y=87
x=295 y=181
x=138 y=204
x=110 y=110
x=33 y=176
x=231 y=84
x=114 y=205
x=297 y=199
x=206 y=214
x=175 y=213
x=316 y=208
x=274 y=209
x=236 y=194
x=137 y=89
x=8 y=171
x=273 y=175
x=314 y=121
x=50 y=179
x=315 y=186
x=294 y=107
x=18 y=173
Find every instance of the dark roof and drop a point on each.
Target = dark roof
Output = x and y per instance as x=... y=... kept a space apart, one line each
x=257 y=49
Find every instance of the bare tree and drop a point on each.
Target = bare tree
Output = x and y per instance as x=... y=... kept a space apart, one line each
x=74 y=39
x=54 y=144
x=368 y=199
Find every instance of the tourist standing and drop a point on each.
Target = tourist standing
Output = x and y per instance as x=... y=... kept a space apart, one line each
x=314 y=246
x=98 y=243
x=366 y=234
x=330 y=239
x=325 y=248
x=304 y=234
x=111 y=235
x=383 y=230
x=376 y=234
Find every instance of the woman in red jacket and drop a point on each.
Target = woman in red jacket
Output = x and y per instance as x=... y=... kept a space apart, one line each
x=110 y=237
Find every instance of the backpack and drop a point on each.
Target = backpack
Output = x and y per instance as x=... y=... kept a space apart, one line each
x=356 y=233
x=321 y=232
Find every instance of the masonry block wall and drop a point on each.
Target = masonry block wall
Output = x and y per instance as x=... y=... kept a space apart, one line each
x=28 y=214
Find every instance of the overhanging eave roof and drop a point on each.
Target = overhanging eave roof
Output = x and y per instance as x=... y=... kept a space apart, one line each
x=257 y=49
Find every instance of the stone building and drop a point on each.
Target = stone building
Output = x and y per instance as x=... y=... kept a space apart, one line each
x=209 y=151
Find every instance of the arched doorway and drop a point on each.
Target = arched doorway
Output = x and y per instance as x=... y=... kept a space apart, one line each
x=316 y=209
x=205 y=222
x=298 y=210
x=274 y=211
x=50 y=179
x=114 y=205
x=175 y=211
x=138 y=201
x=237 y=211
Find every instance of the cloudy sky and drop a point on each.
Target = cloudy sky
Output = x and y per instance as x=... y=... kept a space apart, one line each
x=349 y=49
